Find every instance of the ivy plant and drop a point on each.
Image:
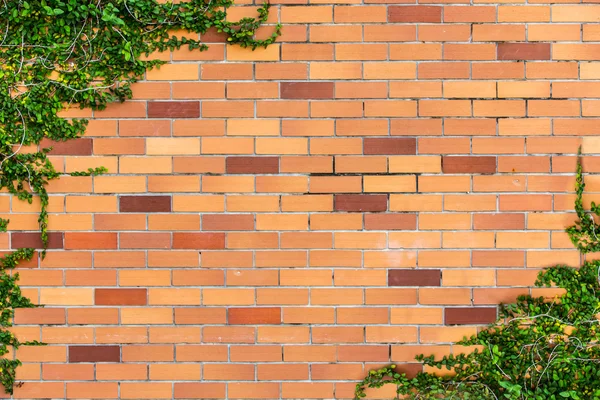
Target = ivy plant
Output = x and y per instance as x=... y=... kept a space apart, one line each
x=59 y=54
x=538 y=349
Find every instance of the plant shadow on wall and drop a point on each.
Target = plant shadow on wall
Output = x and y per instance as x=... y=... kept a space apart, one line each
x=539 y=349
x=55 y=54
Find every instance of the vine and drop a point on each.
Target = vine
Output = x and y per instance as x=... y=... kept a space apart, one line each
x=538 y=349
x=56 y=54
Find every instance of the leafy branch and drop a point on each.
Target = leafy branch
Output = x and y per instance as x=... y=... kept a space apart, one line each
x=539 y=349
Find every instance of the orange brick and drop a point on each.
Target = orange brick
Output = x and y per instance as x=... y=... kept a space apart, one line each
x=429 y=51
x=444 y=108
x=252 y=90
x=306 y=14
x=307 y=52
x=493 y=70
x=498 y=108
x=444 y=33
x=563 y=70
x=415 y=89
x=499 y=32
x=523 y=14
x=169 y=72
x=387 y=70
x=336 y=184
x=459 y=89
x=332 y=33
x=349 y=14
x=385 y=33
x=540 y=32
x=281 y=71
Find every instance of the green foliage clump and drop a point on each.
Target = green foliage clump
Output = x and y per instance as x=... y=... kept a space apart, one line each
x=539 y=349
x=55 y=54
x=10 y=299
x=58 y=53
x=584 y=233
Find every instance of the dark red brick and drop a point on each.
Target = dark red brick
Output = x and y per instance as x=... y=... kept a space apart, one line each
x=414 y=14
x=20 y=240
x=404 y=221
x=252 y=165
x=145 y=204
x=227 y=222
x=213 y=36
x=469 y=315
x=499 y=221
x=200 y=241
x=523 y=51
x=306 y=90
x=395 y=146
x=360 y=202
x=174 y=109
x=254 y=315
x=73 y=147
x=94 y=354
x=121 y=297
x=414 y=277
x=468 y=165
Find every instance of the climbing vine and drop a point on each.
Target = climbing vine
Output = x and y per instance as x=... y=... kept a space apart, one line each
x=58 y=54
x=539 y=349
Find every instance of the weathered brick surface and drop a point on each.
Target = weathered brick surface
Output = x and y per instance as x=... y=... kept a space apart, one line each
x=275 y=223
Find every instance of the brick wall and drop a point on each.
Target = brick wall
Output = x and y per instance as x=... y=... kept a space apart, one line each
x=276 y=223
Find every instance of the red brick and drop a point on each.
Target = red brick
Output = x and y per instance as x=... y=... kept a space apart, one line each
x=355 y=353
x=360 y=202
x=94 y=354
x=469 y=315
x=90 y=240
x=306 y=90
x=396 y=146
x=200 y=241
x=144 y=240
x=145 y=204
x=19 y=240
x=404 y=221
x=121 y=297
x=414 y=277
x=199 y=390
x=174 y=109
x=523 y=51
x=252 y=165
x=408 y=14
x=254 y=316
x=502 y=221
x=468 y=165
x=73 y=147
